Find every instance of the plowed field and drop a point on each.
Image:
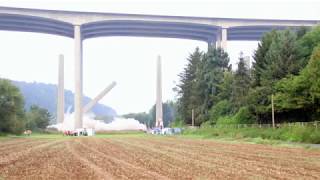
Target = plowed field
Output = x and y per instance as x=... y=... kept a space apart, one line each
x=152 y=158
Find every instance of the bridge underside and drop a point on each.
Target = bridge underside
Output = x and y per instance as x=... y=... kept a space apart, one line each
x=200 y=32
x=11 y=22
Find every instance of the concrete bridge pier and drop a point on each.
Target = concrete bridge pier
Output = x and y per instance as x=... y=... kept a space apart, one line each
x=159 y=113
x=60 y=102
x=78 y=76
x=222 y=38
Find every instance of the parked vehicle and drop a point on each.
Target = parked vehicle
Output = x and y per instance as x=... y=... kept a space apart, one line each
x=167 y=131
x=177 y=130
x=156 y=131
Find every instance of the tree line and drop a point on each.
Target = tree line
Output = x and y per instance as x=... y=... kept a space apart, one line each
x=13 y=117
x=286 y=65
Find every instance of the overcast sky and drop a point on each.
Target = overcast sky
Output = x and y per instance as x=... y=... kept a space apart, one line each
x=130 y=61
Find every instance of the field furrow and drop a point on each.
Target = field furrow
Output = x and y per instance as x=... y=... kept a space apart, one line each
x=152 y=157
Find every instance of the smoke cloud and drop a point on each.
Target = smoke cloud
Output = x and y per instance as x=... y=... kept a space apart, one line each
x=117 y=124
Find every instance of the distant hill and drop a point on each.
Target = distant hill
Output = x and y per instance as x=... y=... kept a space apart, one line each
x=45 y=96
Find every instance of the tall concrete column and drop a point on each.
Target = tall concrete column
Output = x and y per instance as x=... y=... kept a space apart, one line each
x=218 y=39
x=78 y=76
x=60 y=102
x=159 y=119
x=224 y=39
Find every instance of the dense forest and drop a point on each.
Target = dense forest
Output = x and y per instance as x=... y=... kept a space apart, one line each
x=286 y=65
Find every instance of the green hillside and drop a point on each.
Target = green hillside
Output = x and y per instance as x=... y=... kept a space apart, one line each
x=45 y=96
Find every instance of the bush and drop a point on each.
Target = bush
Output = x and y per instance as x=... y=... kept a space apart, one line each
x=244 y=116
x=38 y=118
x=206 y=124
x=222 y=108
x=177 y=123
x=315 y=137
x=301 y=134
x=224 y=120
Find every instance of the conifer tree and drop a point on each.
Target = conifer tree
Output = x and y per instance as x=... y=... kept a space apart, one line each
x=241 y=85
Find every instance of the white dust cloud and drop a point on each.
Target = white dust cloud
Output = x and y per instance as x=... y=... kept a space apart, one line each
x=117 y=124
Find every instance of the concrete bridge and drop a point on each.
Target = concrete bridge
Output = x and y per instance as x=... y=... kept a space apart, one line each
x=84 y=25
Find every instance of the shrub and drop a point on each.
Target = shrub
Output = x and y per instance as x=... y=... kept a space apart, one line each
x=294 y=134
x=224 y=120
x=37 y=118
x=222 y=108
x=177 y=123
x=244 y=116
x=206 y=124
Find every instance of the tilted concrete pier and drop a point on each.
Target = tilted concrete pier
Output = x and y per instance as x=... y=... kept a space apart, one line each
x=91 y=104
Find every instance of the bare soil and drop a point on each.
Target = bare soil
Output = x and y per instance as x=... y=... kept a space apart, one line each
x=152 y=158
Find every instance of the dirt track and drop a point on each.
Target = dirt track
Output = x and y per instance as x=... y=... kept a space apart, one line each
x=152 y=158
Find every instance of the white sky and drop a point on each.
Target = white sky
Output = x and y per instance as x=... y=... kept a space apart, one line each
x=129 y=61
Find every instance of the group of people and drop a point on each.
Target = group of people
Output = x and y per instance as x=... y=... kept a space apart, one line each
x=76 y=133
